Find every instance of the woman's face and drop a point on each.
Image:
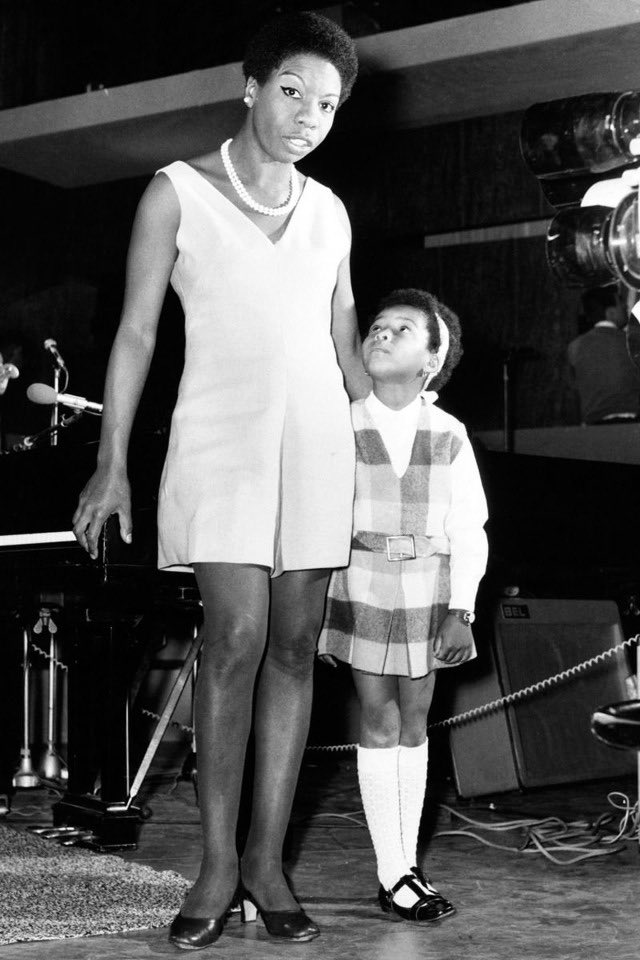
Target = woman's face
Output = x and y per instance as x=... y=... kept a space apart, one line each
x=293 y=111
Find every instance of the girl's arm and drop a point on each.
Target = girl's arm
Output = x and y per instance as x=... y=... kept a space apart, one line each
x=464 y=527
x=344 y=326
x=152 y=253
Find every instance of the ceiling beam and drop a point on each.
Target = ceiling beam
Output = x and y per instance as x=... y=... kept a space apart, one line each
x=494 y=62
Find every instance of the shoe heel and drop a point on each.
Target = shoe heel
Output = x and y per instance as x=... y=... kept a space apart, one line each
x=248 y=911
x=384 y=900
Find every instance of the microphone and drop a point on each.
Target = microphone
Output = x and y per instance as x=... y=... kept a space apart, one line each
x=41 y=393
x=52 y=348
x=8 y=371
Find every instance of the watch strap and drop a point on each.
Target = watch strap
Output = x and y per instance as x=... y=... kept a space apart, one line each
x=464 y=616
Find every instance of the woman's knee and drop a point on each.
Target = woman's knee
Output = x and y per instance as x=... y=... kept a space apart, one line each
x=294 y=653
x=234 y=645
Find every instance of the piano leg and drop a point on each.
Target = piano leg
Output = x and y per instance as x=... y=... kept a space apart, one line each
x=98 y=722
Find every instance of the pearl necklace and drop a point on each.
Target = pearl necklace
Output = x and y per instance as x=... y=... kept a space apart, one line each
x=245 y=196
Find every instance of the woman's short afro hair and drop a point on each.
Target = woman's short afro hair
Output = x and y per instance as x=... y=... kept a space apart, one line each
x=432 y=308
x=295 y=33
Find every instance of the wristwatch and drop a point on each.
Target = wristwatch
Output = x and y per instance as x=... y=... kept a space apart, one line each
x=464 y=616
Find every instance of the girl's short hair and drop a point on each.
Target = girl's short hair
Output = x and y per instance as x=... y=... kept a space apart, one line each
x=305 y=32
x=432 y=308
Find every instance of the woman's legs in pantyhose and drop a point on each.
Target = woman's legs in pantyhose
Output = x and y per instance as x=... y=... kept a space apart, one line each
x=235 y=598
x=281 y=724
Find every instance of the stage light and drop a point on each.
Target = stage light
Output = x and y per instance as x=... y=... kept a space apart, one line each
x=584 y=152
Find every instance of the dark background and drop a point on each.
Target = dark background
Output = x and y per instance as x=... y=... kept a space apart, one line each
x=62 y=252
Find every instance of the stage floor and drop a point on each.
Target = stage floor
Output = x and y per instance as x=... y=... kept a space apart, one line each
x=511 y=905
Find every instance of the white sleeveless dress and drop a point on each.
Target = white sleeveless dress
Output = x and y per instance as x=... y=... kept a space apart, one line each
x=260 y=465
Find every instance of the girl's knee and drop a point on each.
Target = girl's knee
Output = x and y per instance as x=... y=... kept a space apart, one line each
x=380 y=726
x=413 y=729
x=413 y=737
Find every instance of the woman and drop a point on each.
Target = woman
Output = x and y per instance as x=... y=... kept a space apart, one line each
x=257 y=488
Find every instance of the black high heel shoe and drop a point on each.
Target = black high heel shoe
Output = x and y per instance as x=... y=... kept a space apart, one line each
x=429 y=906
x=284 y=924
x=195 y=933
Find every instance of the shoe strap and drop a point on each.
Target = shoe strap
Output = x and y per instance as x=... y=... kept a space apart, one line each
x=410 y=881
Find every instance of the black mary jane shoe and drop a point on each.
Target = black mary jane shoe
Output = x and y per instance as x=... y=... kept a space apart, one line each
x=428 y=907
x=446 y=907
x=293 y=925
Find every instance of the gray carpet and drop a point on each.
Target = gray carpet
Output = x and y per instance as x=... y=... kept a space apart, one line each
x=48 y=892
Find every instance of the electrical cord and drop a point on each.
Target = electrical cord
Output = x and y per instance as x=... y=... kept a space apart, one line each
x=561 y=842
x=46 y=656
x=536 y=687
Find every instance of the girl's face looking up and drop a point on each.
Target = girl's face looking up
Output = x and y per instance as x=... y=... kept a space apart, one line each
x=293 y=111
x=396 y=349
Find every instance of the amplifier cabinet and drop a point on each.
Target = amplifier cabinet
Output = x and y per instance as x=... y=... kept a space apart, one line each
x=545 y=738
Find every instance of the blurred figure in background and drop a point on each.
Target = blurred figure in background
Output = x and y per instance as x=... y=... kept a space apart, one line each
x=18 y=417
x=607 y=380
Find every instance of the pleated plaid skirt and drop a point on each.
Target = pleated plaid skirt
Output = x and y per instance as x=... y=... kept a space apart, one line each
x=383 y=616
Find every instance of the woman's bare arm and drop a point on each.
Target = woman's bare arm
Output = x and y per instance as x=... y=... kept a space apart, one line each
x=152 y=253
x=344 y=327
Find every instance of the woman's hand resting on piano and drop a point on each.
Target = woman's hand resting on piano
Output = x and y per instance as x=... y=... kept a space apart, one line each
x=107 y=492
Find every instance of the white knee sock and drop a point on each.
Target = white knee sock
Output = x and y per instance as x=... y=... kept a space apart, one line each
x=412 y=782
x=378 y=777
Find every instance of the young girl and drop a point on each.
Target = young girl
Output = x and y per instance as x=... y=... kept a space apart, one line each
x=403 y=608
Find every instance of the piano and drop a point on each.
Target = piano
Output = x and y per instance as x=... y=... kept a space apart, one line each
x=97 y=606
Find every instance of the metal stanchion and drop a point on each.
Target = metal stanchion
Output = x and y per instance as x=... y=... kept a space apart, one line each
x=167 y=713
x=25 y=776
x=52 y=767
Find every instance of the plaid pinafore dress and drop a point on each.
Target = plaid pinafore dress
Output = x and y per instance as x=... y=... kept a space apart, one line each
x=383 y=615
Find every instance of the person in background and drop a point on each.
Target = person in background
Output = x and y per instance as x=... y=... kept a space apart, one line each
x=403 y=608
x=605 y=377
x=18 y=367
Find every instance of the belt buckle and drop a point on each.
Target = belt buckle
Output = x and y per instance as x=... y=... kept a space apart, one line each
x=404 y=549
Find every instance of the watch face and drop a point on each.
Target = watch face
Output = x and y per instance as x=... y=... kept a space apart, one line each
x=469 y=616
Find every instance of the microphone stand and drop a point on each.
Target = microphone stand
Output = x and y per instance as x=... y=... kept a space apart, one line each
x=53 y=429
x=507 y=421
x=28 y=442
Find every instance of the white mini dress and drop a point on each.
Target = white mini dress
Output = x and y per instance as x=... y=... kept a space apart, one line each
x=260 y=464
